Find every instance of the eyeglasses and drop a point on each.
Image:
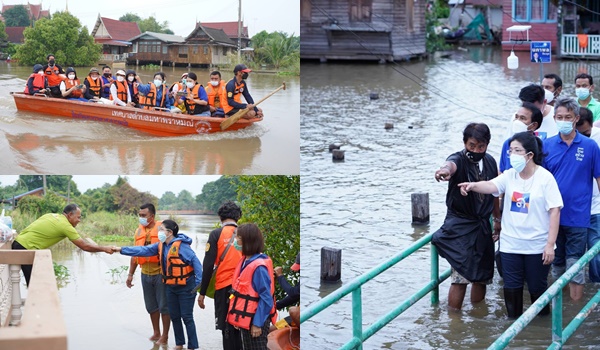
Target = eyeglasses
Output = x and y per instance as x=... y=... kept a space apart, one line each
x=516 y=151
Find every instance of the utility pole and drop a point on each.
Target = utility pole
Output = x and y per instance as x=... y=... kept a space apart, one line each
x=44 y=183
x=240 y=32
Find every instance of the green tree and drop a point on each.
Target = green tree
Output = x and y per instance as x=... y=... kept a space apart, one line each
x=16 y=16
x=56 y=183
x=149 y=24
x=273 y=203
x=217 y=192
x=276 y=49
x=99 y=199
x=38 y=206
x=3 y=35
x=128 y=199
x=185 y=201
x=130 y=17
x=62 y=36
x=167 y=200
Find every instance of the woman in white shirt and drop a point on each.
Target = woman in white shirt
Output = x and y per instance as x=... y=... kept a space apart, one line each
x=530 y=220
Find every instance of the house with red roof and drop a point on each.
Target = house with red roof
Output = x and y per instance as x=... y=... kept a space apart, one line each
x=231 y=29
x=35 y=12
x=114 y=36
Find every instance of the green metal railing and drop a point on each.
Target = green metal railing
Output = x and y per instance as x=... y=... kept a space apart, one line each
x=554 y=293
x=355 y=287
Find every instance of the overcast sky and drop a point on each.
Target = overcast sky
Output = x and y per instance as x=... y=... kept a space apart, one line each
x=258 y=15
x=155 y=184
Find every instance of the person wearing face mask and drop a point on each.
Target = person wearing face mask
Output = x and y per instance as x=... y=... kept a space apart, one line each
x=252 y=302
x=71 y=88
x=119 y=91
x=535 y=94
x=155 y=292
x=553 y=83
x=234 y=90
x=37 y=83
x=93 y=85
x=133 y=83
x=220 y=260
x=180 y=269
x=527 y=118
x=155 y=94
x=574 y=160
x=177 y=90
x=55 y=75
x=584 y=86
x=107 y=80
x=195 y=100
x=215 y=88
x=530 y=220
x=585 y=127
x=465 y=239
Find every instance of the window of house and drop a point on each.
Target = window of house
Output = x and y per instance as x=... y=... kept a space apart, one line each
x=534 y=11
x=165 y=49
x=205 y=49
x=360 y=10
x=195 y=48
x=305 y=9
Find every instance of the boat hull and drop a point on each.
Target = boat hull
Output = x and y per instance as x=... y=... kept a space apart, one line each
x=157 y=123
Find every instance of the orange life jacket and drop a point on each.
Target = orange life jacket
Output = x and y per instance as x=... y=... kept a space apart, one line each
x=176 y=271
x=121 y=91
x=149 y=101
x=140 y=240
x=236 y=95
x=52 y=74
x=135 y=93
x=243 y=304
x=227 y=267
x=214 y=93
x=95 y=86
x=69 y=84
x=191 y=106
x=39 y=82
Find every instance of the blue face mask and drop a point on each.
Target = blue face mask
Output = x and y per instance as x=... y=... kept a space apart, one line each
x=158 y=82
x=144 y=222
x=236 y=245
x=582 y=93
x=518 y=162
x=564 y=127
x=162 y=236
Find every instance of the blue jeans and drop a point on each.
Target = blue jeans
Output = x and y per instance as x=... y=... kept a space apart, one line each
x=517 y=268
x=181 y=300
x=570 y=246
x=593 y=238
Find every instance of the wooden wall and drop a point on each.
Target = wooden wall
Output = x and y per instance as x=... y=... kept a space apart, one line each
x=538 y=31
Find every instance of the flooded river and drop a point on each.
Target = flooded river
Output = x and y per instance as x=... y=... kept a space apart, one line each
x=101 y=313
x=362 y=205
x=33 y=143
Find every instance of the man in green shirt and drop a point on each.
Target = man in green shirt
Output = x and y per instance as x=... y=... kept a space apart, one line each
x=584 y=86
x=50 y=229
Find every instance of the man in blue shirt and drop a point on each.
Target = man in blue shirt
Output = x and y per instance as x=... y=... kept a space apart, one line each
x=527 y=118
x=574 y=160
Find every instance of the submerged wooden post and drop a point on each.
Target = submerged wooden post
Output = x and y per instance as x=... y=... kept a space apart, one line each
x=338 y=154
x=420 y=208
x=389 y=126
x=331 y=264
x=334 y=146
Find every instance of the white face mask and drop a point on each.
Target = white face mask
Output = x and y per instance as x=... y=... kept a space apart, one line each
x=190 y=84
x=41 y=72
x=549 y=96
x=94 y=77
x=120 y=78
x=214 y=83
x=518 y=126
x=130 y=78
x=71 y=76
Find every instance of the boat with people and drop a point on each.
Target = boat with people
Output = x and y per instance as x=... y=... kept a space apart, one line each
x=155 y=122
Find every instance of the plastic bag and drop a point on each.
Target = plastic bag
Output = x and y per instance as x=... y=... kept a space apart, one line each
x=5 y=232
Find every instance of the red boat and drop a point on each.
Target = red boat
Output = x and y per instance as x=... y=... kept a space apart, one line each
x=157 y=123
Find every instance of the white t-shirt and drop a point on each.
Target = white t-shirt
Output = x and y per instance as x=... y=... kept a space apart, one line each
x=596 y=196
x=546 y=130
x=526 y=217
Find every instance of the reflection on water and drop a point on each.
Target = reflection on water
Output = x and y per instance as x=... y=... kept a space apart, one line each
x=363 y=205
x=101 y=313
x=31 y=142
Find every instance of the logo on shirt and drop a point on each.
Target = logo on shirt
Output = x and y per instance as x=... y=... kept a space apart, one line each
x=541 y=134
x=520 y=202
x=579 y=154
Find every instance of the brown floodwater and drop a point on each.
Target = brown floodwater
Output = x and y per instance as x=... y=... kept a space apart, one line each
x=33 y=143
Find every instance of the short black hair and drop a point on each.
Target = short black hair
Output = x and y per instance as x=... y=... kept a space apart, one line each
x=172 y=226
x=216 y=72
x=162 y=75
x=531 y=144
x=532 y=93
x=103 y=68
x=585 y=115
x=584 y=76
x=150 y=208
x=253 y=241
x=478 y=131
x=536 y=114
x=193 y=76
x=50 y=55
x=557 y=80
x=229 y=210
x=70 y=208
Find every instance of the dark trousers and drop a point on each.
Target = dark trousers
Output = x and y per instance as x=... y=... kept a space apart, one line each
x=25 y=268
x=518 y=268
x=181 y=300
x=231 y=337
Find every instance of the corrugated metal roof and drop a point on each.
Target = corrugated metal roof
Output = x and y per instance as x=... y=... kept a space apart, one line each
x=167 y=38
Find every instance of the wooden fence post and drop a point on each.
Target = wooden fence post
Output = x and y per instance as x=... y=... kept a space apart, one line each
x=420 y=208
x=331 y=264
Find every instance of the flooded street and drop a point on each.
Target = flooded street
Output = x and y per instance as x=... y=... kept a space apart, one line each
x=31 y=143
x=362 y=205
x=101 y=313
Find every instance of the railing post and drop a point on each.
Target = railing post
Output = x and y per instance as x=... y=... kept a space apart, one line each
x=557 y=329
x=435 y=273
x=357 y=315
x=15 y=278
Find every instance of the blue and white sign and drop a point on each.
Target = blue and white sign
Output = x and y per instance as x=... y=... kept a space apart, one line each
x=540 y=52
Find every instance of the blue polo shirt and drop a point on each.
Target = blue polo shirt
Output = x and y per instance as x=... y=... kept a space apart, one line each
x=505 y=157
x=575 y=169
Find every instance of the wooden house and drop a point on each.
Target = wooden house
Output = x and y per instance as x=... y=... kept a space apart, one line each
x=35 y=12
x=215 y=44
x=231 y=29
x=114 y=36
x=380 y=30
x=158 y=48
